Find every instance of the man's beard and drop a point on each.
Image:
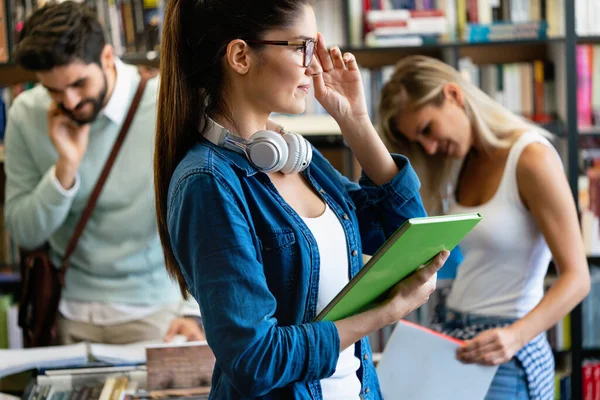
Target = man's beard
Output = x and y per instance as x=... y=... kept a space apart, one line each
x=96 y=103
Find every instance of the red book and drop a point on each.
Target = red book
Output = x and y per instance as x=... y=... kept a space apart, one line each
x=596 y=379
x=588 y=381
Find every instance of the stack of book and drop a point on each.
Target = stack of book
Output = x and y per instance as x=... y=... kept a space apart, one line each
x=177 y=370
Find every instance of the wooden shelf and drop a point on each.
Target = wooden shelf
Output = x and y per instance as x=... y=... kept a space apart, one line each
x=371 y=57
x=151 y=59
x=592 y=131
x=561 y=353
x=590 y=353
x=555 y=127
x=11 y=74
x=456 y=44
x=9 y=278
x=589 y=138
x=593 y=258
x=588 y=39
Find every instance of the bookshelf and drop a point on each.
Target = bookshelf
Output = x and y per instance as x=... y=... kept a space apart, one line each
x=324 y=133
x=588 y=39
x=591 y=353
x=591 y=132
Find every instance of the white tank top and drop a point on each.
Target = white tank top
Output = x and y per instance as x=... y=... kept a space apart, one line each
x=505 y=256
x=334 y=275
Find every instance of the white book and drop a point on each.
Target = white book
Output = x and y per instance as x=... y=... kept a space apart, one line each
x=355 y=19
x=19 y=360
x=78 y=355
x=484 y=12
x=418 y=363
x=15 y=333
x=581 y=17
x=451 y=19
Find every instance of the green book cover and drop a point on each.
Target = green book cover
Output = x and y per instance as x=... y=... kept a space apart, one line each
x=414 y=244
x=5 y=303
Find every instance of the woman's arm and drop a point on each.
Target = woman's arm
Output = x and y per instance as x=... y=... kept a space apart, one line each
x=217 y=251
x=546 y=193
x=339 y=88
x=389 y=188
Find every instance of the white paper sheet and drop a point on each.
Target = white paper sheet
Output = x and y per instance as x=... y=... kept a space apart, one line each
x=421 y=364
x=18 y=360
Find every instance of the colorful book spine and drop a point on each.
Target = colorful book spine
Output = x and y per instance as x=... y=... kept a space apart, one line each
x=584 y=86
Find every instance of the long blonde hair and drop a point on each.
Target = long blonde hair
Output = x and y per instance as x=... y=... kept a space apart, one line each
x=419 y=81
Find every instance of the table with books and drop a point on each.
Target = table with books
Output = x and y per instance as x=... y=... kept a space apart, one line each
x=90 y=371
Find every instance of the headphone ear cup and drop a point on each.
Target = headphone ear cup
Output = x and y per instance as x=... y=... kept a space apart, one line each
x=268 y=151
x=305 y=161
x=300 y=153
x=296 y=150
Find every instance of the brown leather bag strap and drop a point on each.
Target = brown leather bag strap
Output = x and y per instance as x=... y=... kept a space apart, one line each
x=102 y=179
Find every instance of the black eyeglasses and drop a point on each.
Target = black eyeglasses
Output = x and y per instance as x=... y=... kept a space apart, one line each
x=308 y=46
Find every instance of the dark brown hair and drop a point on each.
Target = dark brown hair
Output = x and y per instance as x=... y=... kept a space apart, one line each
x=195 y=37
x=59 y=34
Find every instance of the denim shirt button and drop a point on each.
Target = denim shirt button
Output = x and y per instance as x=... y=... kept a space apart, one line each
x=367 y=390
x=354 y=253
x=366 y=357
x=322 y=191
x=346 y=217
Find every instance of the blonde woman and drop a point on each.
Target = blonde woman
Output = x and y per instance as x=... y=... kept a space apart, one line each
x=472 y=154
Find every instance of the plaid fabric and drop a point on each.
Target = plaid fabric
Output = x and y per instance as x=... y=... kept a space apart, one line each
x=536 y=357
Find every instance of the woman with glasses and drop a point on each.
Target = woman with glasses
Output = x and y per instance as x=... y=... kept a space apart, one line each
x=256 y=224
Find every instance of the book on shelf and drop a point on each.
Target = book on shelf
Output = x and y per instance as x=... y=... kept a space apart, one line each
x=587 y=14
x=402 y=22
x=590 y=312
x=562 y=385
x=525 y=88
x=588 y=86
x=505 y=31
x=589 y=201
x=590 y=371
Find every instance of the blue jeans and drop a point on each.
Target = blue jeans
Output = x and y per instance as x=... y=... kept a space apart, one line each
x=509 y=383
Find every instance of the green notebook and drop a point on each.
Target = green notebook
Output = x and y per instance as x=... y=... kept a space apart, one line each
x=414 y=244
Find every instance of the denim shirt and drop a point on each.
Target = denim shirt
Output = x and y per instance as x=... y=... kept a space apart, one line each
x=253 y=266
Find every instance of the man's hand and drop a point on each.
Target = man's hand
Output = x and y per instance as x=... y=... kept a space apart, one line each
x=187 y=327
x=70 y=141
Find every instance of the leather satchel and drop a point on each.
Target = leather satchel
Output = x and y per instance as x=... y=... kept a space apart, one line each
x=42 y=282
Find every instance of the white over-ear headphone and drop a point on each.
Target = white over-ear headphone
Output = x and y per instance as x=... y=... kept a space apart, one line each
x=267 y=150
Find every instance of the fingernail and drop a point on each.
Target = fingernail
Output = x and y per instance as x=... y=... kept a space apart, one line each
x=335 y=51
